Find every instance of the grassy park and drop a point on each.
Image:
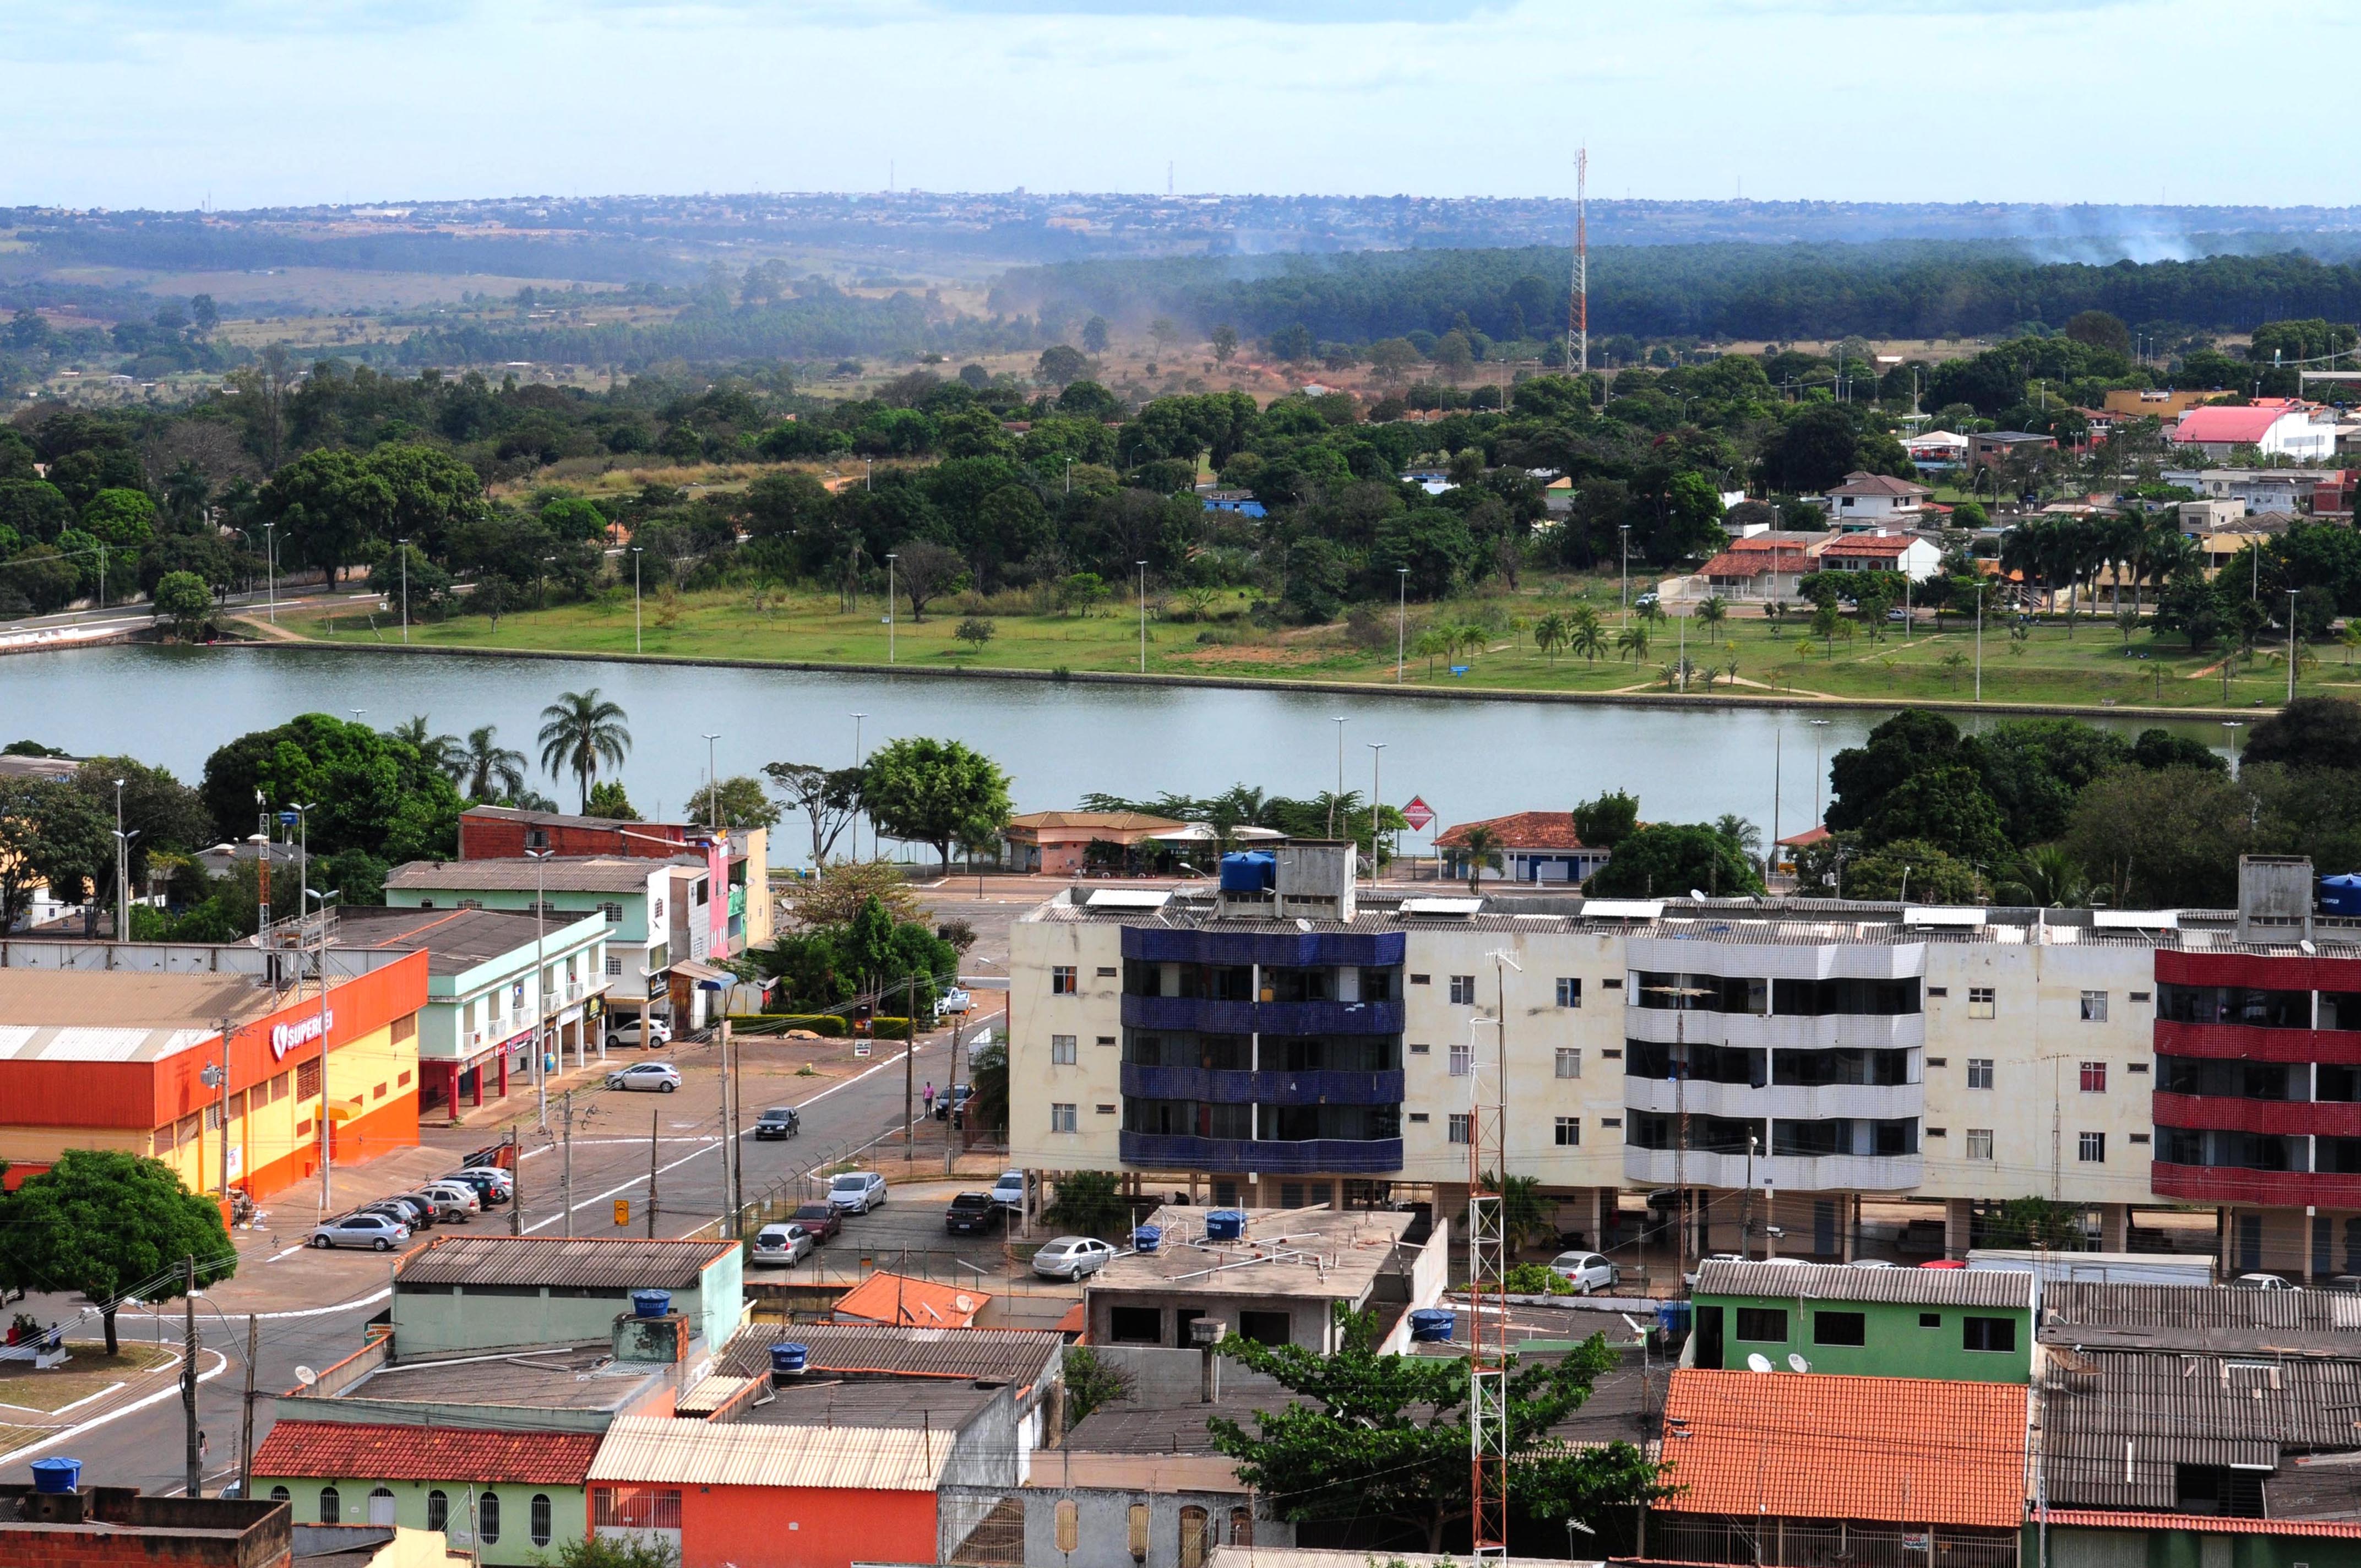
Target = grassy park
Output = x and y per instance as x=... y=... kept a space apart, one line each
x=2091 y=660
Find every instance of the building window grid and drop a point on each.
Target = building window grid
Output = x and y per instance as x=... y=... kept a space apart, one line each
x=1569 y=1061
x=1463 y=988
x=1980 y=1142
x=1982 y=1002
x=1062 y=1052
x=2092 y=1148
x=1568 y=1132
x=1061 y=980
x=1569 y=993
x=1457 y=1129
x=2094 y=1007
x=2095 y=1078
x=1063 y=1119
x=1463 y=1060
x=1980 y=1072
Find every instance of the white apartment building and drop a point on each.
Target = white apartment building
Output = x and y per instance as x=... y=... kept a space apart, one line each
x=1298 y=1043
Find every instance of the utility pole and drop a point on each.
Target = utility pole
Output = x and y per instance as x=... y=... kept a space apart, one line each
x=566 y=1177
x=1143 y=616
x=1377 y=759
x=1401 y=618
x=910 y=1069
x=737 y=1150
x=540 y=923
x=890 y=558
x=652 y=1175
x=1746 y=1207
x=635 y=599
x=188 y=1373
x=516 y=1188
x=403 y=544
x=216 y=1077
x=245 y=1431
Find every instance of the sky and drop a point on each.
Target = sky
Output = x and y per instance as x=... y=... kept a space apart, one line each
x=249 y=102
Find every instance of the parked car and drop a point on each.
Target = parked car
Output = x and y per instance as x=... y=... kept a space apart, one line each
x=629 y=1029
x=856 y=1192
x=2347 y=1282
x=656 y=1077
x=462 y=1193
x=418 y=1213
x=449 y=1208
x=953 y=1102
x=955 y=1001
x=1872 y=1263
x=973 y=1213
x=1690 y=1278
x=821 y=1221
x=1071 y=1257
x=492 y=1185
x=378 y=1231
x=2261 y=1282
x=1009 y=1190
x=781 y=1246
x=779 y=1122
x=1587 y=1271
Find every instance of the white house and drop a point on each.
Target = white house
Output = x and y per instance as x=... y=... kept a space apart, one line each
x=1908 y=554
x=1865 y=499
x=2277 y=427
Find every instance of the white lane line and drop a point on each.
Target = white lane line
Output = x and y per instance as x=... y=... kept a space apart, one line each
x=221 y=1365
x=86 y=1398
x=369 y=1300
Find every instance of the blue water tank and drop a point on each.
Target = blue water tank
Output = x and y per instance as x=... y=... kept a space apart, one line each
x=56 y=1474
x=1673 y=1317
x=651 y=1303
x=1224 y=1224
x=1431 y=1325
x=2340 y=894
x=1147 y=1238
x=787 y=1360
x=1249 y=871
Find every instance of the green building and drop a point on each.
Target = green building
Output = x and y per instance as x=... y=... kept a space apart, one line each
x=2093 y=1538
x=507 y=1497
x=1968 y=1325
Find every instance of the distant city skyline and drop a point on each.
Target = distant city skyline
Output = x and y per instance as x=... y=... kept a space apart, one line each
x=254 y=103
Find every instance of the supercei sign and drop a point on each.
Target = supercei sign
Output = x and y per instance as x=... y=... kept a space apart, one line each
x=285 y=1037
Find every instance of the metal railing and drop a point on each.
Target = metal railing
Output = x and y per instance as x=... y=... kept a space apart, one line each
x=1783 y=1544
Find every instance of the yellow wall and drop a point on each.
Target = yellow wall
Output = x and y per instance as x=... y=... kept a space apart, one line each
x=264 y=1122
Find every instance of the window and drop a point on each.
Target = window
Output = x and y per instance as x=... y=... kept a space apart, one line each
x=1615 y=984
x=1463 y=988
x=1938 y=1132
x=1980 y=1142
x=487 y=1517
x=307 y=1079
x=1106 y=1110
x=1930 y=1320
x=1569 y=1132
x=536 y=838
x=1419 y=1050
x=1070 y=1534
x=1137 y=1532
x=1767 y=1325
x=1939 y=1061
x=1192 y=1536
x=1458 y=1127
x=540 y=1526
x=1265 y=1328
x=1569 y=1061
x=1981 y=1002
x=659 y=910
x=1839 y=1328
x=378 y=1093
x=1980 y=1072
x=332 y=1508
x=406 y=1028
x=1610 y=1121
x=613 y=912
x=438 y=1510
x=1463 y=1060
x=1988 y=1333
x=1569 y=993
x=2135 y=1067
x=2092 y=1148
x=278 y=1493
x=1061 y=1050
x=2138 y=995
x=1242 y=1528
x=614 y=967
x=1062 y=1119
x=1418 y=1115
x=1061 y=980
x=2142 y=1138
x=1938 y=991
x=2095 y=1078
x=2094 y=1007
x=1106 y=1039
x=1421 y=980
x=1106 y=973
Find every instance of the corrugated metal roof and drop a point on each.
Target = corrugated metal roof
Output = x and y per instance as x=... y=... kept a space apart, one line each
x=1008 y=1356
x=595 y=873
x=378 y=1453
x=2183 y=1307
x=696 y=1453
x=2003 y=1289
x=581 y=1262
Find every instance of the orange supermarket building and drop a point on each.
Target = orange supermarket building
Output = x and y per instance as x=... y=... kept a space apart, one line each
x=104 y=1044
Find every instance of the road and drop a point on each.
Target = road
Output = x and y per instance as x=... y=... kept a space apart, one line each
x=313 y=1305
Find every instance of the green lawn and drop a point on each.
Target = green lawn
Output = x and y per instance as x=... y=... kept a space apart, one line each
x=2088 y=664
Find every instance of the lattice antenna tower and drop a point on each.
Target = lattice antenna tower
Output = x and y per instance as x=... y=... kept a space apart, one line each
x=1578 y=307
x=1488 y=1283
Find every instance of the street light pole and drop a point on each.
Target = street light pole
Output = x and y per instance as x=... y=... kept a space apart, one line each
x=1143 y=616
x=2290 y=593
x=1625 y=530
x=890 y=559
x=270 y=567
x=857 y=756
x=1818 y=812
x=540 y=919
x=712 y=784
x=404 y=545
x=1377 y=807
x=635 y=599
x=1401 y=618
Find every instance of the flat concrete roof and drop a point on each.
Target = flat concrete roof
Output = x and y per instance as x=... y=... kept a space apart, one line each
x=1323 y=1254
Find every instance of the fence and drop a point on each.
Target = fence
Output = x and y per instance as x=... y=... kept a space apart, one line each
x=935 y=1151
x=1786 y=1544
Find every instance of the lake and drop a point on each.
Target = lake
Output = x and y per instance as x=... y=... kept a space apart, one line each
x=1466 y=759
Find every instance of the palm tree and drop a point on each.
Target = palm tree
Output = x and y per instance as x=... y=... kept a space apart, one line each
x=1632 y=639
x=1552 y=633
x=578 y=731
x=440 y=751
x=1587 y=635
x=1650 y=609
x=1432 y=641
x=1713 y=611
x=491 y=772
x=2045 y=877
x=1482 y=848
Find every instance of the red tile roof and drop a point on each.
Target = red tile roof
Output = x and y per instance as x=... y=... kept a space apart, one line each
x=1739 y=563
x=1809 y=835
x=2218 y=1524
x=1870 y=544
x=1524 y=831
x=1815 y=1446
x=1865 y=484
x=333 y=1449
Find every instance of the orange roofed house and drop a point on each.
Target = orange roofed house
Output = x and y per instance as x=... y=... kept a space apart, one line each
x=1056 y=843
x=1779 y=1467
x=1534 y=846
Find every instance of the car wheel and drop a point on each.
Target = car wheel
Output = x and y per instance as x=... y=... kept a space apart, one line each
x=667 y=1089
x=322 y=1242
x=382 y=1244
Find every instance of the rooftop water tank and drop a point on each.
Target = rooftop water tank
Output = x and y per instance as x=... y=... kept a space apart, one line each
x=1224 y=1224
x=1249 y=871
x=56 y=1474
x=1431 y=1325
x=1147 y=1238
x=2340 y=894
x=787 y=1360
x=651 y=1303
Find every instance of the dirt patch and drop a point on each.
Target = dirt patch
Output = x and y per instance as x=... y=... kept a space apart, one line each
x=1251 y=653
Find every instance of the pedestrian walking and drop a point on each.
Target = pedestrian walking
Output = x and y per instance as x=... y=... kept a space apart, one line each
x=930 y=1097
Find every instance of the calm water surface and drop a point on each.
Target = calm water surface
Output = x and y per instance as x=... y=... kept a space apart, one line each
x=1466 y=759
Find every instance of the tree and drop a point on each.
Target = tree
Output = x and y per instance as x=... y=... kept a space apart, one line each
x=735 y=802
x=1088 y=1203
x=975 y=631
x=1524 y=1216
x=163 y=814
x=2310 y=732
x=2100 y=330
x=2044 y=877
x=1225 y=344
x=1912 y=870
x=492 y=771
x=2161 y=748
x=182 y=598
x=1091 y=1383
x=611 y=800
x=106 y=1224
x=924 y=570
x=1606 y=821
x=442 y=751
x=830 y=797
x=1059 y=364
x=2033 y=769
x=1713 y=611
x=1480 y=848
x=49 y=835
x=1551 y=633
x=366 y=790
x=120 y=520
x=932 y=791
x=616 y=1551
x=1946 y=805
x=203 y=313
x=2192 y=604
x=579 y=731
x=2168 y=840
x=1095 y=335
x=1668 y=859
x=2037 y=1222
x=1384 y=1438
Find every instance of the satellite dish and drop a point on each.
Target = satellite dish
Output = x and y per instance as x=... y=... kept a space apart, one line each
x=306 y=1376
x=1697 y=894
x=1796 y=1362
x=964 y=1301
x=1758 y=1361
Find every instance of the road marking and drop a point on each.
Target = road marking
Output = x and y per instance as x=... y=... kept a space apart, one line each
x=221 y=1365
x=369 y=1300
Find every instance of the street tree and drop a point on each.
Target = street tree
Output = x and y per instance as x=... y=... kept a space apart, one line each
x=830 y=797
x=49 y=835
x=1225 y=344
x=1481 y=848
x=182 y=598
x=1667 y=860
x=1607 y=820
x=579 y=731
x=925 y=570
x=738 y=801
x=365 y=790
x=106 y=1224
x=933 y=792
x=492 y=771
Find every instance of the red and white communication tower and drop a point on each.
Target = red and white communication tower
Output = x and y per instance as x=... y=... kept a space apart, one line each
x=1578 y=309
x=1488 y=1283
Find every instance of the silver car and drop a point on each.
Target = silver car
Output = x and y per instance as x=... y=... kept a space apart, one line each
x=661 y=1076
x=453 y=1205
x=856 y=1192
x=1071 y=1257
x=781 y=1246
x=374 y=1231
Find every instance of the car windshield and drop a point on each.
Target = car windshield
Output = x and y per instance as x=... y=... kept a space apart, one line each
x=776 y=1115
x=774 y=1236
x=849 y=1183
x=812 y=1211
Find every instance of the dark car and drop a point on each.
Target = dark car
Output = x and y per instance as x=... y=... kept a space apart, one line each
x=972 y=1213
x=487 y=1188
x=954 y=1101
x=415 y=1212
x=779 y=1122
x=820 y=1220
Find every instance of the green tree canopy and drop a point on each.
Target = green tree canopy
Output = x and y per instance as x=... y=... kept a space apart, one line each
x=1912 y=869
x=366 y=790
x=1668 y=859
x=1607 y=820
x=934 y=792
x=106 y=1224
x=2310 y=732
x=50 y=834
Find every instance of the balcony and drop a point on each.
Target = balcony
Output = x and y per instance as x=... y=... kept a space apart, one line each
x=1788 y=1102
x=2248 y=1042
x=1311 y=950
x=1206 y=1016
x=1224 y=1088
x=1868 y=1031
x=1311 y=1156
x=2279 y=1118
x=1794 y=1173
x=2236 y=1184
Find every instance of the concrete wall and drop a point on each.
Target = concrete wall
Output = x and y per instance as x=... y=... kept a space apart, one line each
x=567 y=1513
x=430 y=1320
x=1103 y=1525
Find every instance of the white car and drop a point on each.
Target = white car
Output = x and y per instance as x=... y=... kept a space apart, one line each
x=629 y=1029
x=1871 y=1263
x=955 y=1001
x=781 y=1246
x=856 y=1192
x=462 y=1195
x=1690 y=1278
x=2261 y=1282
x=1071 y=1257
x=376 y=1230
x=657 y=1077
x=1009 y=1190
x=1587 y=1271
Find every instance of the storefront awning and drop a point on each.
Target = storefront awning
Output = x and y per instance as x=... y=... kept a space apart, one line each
x=688 y=969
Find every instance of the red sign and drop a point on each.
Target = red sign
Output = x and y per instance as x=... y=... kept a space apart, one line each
x=1418 y=814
